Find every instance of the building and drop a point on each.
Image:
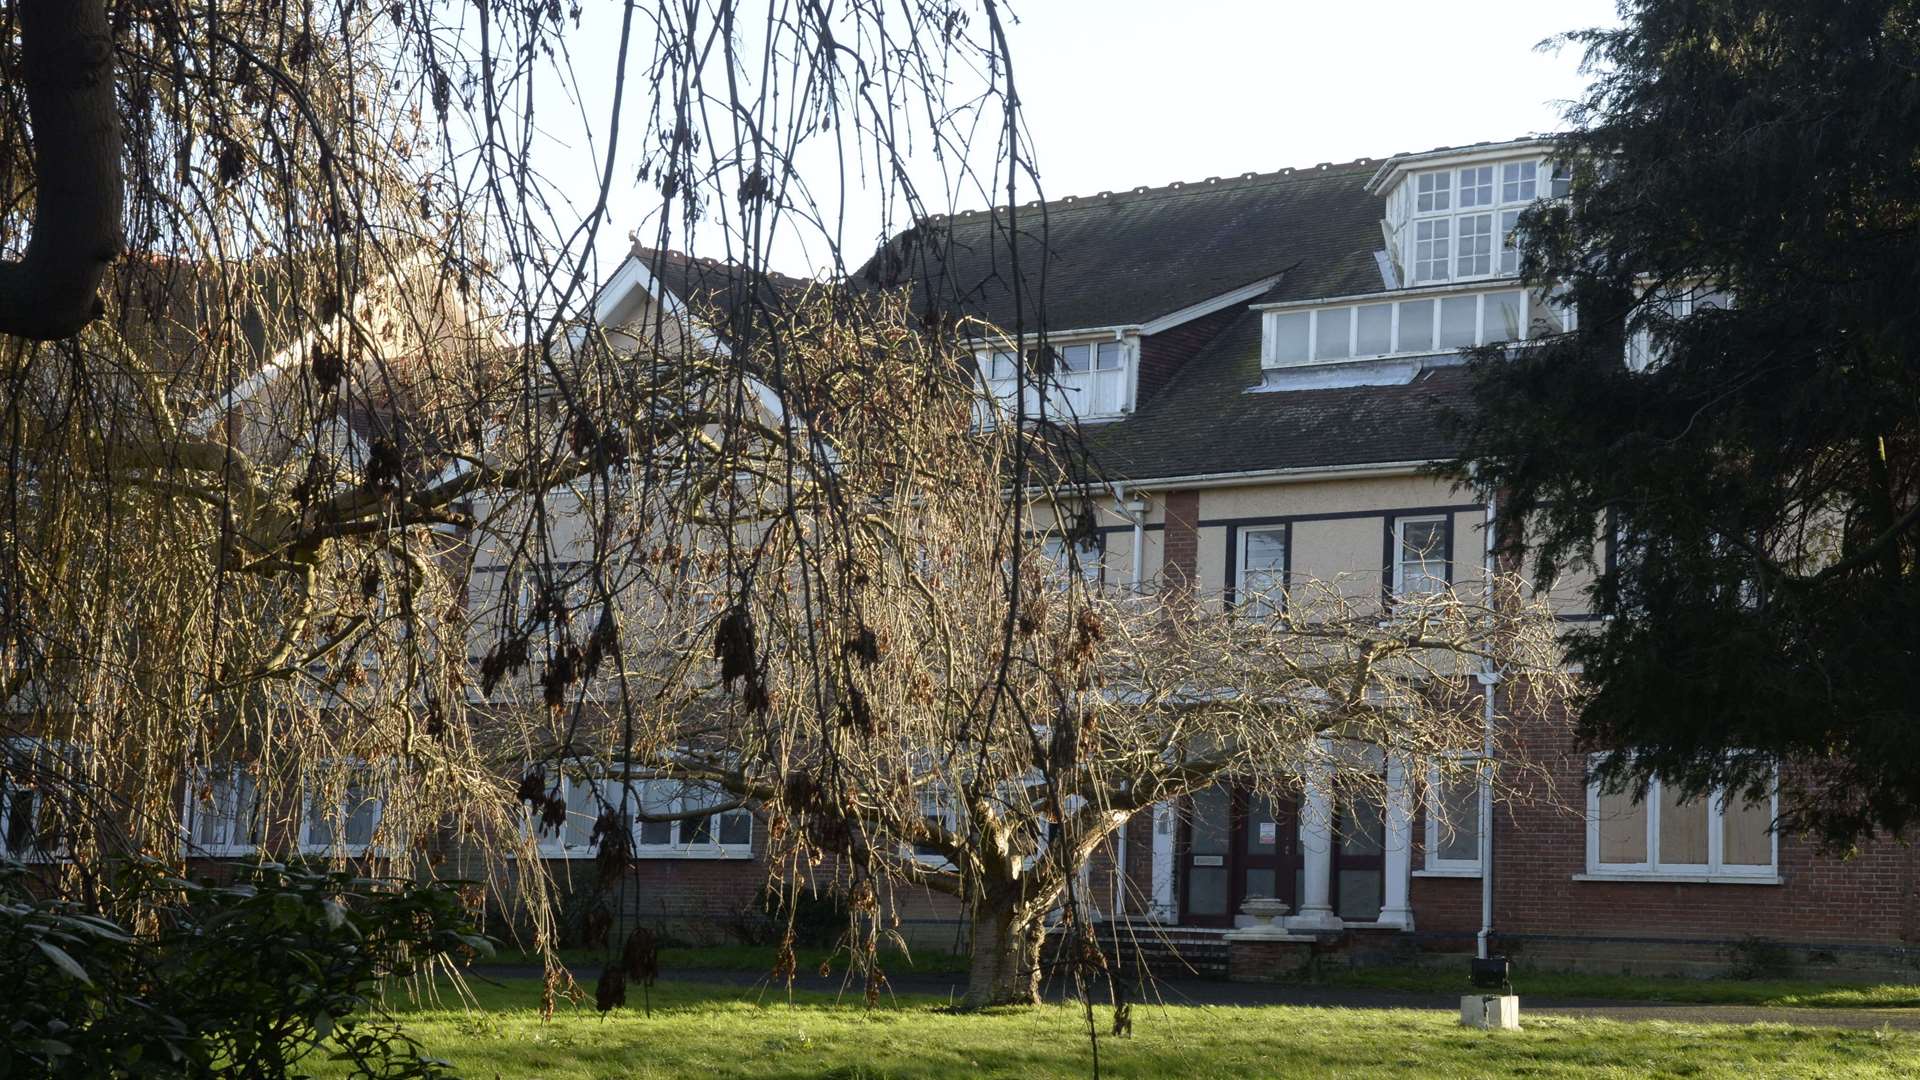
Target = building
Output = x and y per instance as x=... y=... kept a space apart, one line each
x=1260 y=367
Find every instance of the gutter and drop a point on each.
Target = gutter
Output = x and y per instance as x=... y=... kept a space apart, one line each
x=1301 y=475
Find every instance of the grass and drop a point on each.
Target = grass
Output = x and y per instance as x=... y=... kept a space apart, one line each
x=1800 y=993
x=1561 y=984
x=714 y=1032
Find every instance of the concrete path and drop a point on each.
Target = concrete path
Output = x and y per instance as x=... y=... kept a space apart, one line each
x=1217 y=993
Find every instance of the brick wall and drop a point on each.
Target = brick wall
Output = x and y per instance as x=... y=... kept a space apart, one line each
x=1539 y=848
x=1181 y=540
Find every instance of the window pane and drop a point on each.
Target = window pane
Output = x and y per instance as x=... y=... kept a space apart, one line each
x=1416 y=326
x=1509 y=241
x=1683 y=829
x=1505 y=317
x=1361 y=830
x=1360 y=894
x=1457 y=825
x=1076 y=357
x=1431 y=192
x=1457 y=318
x=1211 y=808
x=1259 y=882
x=697 y=831
x=1475 y=245
x=1003 y=366
x=1744 y=840
x=1562 y=181
x=1207 y=890
x=736 y=827
x=1289 y=337
x=363 y=813
x=1109 y=358
x=1266 y=549
x=1517 y=181
x=1476 y=186
x=1622 y=828
x=1262 y=812
x=1432 y=253
x=1375 y=331
x=1331 y=335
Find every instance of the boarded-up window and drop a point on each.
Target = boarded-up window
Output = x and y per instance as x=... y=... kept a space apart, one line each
x=1622 y=828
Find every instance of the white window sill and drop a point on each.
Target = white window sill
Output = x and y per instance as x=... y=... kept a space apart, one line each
x=735 y=851
x=239 y=852
x=1685 y=879
x=1447 y=872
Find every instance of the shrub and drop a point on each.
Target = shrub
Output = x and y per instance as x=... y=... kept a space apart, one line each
x=245 y=979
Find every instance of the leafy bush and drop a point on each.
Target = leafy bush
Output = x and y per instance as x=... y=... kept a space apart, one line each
x=246 y=979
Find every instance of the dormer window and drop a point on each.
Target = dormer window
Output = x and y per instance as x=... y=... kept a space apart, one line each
x=1420 y=325
x=1082 y=379
x=1464 y=219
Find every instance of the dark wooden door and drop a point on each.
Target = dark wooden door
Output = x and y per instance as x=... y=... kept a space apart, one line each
x=1235 y=844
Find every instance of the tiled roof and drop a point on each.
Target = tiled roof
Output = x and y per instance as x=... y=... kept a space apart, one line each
x=1126 y=258
x=1209 y=421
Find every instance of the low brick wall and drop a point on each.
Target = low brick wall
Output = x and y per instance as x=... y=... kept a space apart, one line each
x=1254 y=960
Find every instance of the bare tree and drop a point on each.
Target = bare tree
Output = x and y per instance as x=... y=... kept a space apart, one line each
x=854 y=639
x=288 y=295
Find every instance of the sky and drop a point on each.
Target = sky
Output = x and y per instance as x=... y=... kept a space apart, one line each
x=1121 y=93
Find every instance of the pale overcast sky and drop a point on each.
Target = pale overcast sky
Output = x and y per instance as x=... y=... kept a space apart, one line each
x=1120 y=93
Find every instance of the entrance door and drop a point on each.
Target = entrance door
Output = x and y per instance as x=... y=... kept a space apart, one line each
x=1234 y=845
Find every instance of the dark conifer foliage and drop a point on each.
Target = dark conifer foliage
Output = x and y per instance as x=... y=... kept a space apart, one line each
x=1760 y=468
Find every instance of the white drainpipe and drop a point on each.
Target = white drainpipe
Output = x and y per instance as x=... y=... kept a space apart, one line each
x=1489 y=679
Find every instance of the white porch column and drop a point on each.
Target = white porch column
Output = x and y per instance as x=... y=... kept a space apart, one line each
x=1163 y=822
x=1316 y=849
x=1396 y=910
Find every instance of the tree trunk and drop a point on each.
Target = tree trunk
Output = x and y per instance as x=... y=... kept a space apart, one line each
x=66 y=49
x=1004 y=968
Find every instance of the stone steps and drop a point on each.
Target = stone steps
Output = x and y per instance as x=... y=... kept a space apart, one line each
x=1165 y=952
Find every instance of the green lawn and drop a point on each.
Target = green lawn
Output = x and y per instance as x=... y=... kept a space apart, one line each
x=1803 y=993
x=715 y=1032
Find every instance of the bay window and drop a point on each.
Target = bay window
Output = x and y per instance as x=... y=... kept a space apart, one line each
x=1715 y=836
x=1463 y=219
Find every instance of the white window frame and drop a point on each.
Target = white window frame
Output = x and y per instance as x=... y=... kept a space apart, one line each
x=1641 y=353
x=1445 y=190
x=9 y=796
x=1094 y=383
x=1343 y=320
x=1089 y=558
x=672 y=798
x=1400 y=552
x=934 y=801
x=577 y=793
x=1714 y=871
x=193 y=807
x=1241 y=599
x=353 y=851
x=1434 y=865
